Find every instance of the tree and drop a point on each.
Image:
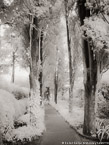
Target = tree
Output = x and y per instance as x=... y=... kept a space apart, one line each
x=14 y=55
x=56 y=78
x=90 y=72
x=11 y=40
x=41 y=61
x=13 y=65
x=92 y=58
x=72 y=51
x=70 y=55
x=34 y=47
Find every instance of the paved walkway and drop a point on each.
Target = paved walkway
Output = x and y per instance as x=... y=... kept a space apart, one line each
x=58 y=132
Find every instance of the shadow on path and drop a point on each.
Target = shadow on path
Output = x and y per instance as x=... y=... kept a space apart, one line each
x=58 y=132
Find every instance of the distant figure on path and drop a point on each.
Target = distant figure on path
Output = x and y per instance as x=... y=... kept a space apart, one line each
x=47 y=94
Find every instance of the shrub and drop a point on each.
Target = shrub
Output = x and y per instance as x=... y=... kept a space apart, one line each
x=18 y=92
x=104 y=90
x=103 y=133
x=103 y=109
x=11 y=109
x=102 y=103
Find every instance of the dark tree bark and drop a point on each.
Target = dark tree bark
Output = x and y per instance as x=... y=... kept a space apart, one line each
x=13 y=67
x=41 y=61
x=90 y=85
x=34 y=55
x=56 y=88
x=91 y=75
x=56 y=78
x=1 y=142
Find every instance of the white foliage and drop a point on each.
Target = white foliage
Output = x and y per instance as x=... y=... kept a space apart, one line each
x=97 y=29
x=10 y=110
x=30 y=131
x=25 y=133
x=24 y=119
x=12 y=88
x=8 y=2
x=13 y=110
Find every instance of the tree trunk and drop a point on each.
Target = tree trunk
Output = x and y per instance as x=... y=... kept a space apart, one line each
x=34 y=55
x=34 y=107
x=91 y=75
x=1 y=142
x=56 y=87
x=13 y=67
x=90 y=85
x=41 y=63
x=70 y=58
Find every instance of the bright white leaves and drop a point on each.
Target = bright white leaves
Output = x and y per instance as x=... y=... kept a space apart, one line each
x=98 y=30
x=8 y=2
